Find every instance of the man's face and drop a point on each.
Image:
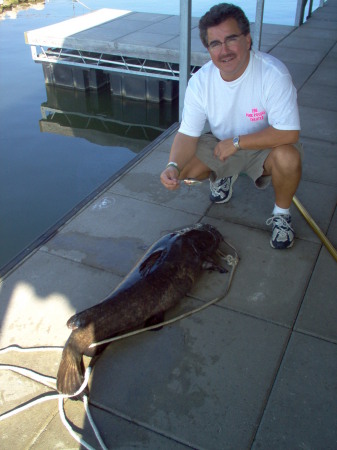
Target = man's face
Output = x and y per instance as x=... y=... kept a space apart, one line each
x=230 y=58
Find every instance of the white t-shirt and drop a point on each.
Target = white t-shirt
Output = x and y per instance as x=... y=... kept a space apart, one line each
x=264 y=95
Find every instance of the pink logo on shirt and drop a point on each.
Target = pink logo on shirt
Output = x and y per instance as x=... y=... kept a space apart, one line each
x=255 y=115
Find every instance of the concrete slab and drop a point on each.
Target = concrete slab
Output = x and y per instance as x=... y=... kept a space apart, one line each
x=115 y=431
x=320 y=201
x=319 y=309
x=330 y=61
x=146 y=17
x=144 y=38
x=20 y=431
x=143 y=183
x=328 y=22
x=310 y=56
x=319 y=158
x=318 y=95
x=120 y=227
x=110 y=30
x=302 y=411
x=307 y=30
x=72 y=26
x=282 y=30
x=318 y=313
x=318 y=123
x=325 y=75
x=190 y=392
x=252 y=207
x=300 y=72
x=40 y=296
x=267 y=283
x=301 y=42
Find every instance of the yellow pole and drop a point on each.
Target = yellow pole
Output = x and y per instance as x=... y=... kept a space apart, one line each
x=316 y=228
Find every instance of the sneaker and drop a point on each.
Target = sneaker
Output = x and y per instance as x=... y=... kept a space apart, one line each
x=222 y=189
x=283 y=232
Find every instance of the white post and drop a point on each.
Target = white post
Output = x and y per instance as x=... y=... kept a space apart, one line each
x=185 y=51
x=299 y=12
x=258 y=24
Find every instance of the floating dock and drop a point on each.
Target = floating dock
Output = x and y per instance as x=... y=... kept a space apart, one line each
x=136 y=54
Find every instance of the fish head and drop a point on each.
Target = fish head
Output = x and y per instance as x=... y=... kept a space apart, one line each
x=204 y=238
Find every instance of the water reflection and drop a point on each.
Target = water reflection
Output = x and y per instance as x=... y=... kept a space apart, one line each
x=105 y=119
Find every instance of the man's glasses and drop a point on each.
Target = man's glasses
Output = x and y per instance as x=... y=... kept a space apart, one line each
x=230 y=41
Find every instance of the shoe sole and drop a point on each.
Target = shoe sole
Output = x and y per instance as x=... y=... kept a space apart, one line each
x=281 y=248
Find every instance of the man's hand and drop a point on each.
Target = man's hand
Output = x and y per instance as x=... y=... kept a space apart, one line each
x=169 y=178
x=224 y=149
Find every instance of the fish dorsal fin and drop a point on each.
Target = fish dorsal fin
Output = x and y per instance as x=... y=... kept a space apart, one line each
x=151 y=262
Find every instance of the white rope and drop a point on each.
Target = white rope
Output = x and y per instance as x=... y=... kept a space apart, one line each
x=17 y=348
x=61 y=397
x=21 y=408
x=43 y=379
x=65 y=422
x=92 y=423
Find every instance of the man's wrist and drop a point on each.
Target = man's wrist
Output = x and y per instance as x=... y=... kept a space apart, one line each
x=175 y=165
x=236 y=142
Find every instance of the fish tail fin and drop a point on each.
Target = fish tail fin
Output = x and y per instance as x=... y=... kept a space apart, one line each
x=70 y=375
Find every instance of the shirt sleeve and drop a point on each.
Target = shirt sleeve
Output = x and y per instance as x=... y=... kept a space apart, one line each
x=194 y=113
x=282 y=108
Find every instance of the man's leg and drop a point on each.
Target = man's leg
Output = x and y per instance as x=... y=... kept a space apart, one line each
x=195 y=169
x=284 y=165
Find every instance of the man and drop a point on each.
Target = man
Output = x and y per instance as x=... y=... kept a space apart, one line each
x=250 y=103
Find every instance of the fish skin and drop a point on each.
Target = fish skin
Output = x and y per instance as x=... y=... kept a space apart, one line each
x=162 y=277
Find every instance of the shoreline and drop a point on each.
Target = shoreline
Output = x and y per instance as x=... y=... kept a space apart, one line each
x=16 y=5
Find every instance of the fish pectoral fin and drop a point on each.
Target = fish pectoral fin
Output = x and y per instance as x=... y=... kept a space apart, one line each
x=154 y=320
x=150 y=262
x=70 y=374
x=211 y=265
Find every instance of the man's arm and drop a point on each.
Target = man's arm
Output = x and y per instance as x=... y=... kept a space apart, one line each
x=268 y=138
x=182 y=151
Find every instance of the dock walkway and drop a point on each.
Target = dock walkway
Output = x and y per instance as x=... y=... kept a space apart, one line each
x=257 y=370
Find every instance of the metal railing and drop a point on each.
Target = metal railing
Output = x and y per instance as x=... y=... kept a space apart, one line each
x=299 y=17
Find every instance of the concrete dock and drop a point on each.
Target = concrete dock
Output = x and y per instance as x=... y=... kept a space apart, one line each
x=257 y=370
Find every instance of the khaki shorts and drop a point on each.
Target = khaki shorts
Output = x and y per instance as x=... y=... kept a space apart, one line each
x=249 y=162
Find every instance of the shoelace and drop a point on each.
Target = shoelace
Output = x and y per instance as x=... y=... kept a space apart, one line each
x=280 y=222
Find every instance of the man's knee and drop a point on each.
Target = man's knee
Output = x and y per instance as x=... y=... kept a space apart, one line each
x=195 y=169
x=285 y=158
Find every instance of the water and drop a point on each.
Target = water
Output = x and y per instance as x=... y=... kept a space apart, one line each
x=50 y=161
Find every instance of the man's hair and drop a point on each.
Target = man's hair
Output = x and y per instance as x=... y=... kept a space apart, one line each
x=218 y=14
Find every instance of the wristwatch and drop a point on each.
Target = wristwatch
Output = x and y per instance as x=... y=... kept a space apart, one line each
x=236 y=142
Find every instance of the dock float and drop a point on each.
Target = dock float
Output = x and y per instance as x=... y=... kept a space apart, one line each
x=136 y=54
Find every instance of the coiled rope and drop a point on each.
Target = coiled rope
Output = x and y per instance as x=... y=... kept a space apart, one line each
x=231 y=260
